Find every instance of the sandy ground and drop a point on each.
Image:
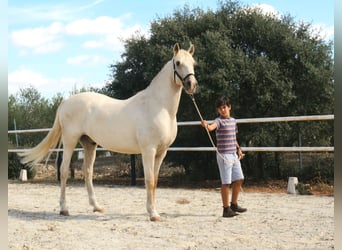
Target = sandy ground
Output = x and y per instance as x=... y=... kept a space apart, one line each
x=191 y=219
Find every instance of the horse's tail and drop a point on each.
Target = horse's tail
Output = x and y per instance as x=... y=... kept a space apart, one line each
x=39 y=152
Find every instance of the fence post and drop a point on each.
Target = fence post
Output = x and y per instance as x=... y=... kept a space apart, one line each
x=16 y=134
x=300 y=154
x=133 y=176
x=59 y=163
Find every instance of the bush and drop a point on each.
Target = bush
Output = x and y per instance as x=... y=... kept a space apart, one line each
x=320 y=169
x=14 y=167
x=315 y=166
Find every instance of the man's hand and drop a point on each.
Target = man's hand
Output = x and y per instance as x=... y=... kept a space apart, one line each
x=204 y=123
x=240 y=154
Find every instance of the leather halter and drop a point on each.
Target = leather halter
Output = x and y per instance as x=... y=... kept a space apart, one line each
x=175 y=73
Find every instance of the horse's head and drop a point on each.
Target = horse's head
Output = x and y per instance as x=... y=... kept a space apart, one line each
x=183 y=68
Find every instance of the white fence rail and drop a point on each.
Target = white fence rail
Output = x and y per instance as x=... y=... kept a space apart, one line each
x=246 y=149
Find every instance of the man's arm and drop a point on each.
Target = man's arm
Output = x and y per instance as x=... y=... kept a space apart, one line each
x=210 y=127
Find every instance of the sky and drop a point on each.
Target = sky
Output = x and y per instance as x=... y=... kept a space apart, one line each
x=56 y=46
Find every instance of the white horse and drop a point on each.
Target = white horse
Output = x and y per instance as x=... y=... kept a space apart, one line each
x=142 y=124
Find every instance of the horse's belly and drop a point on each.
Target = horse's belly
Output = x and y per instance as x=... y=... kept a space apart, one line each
x=124 y=148
x=117 y=142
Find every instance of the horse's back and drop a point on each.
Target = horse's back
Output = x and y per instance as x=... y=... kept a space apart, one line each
x=104 y=119
x=87 y=102
x=81 y=109
x=89 y=98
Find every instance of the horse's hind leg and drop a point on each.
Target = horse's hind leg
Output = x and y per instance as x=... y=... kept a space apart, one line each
x=65 y=166
x=88 y=163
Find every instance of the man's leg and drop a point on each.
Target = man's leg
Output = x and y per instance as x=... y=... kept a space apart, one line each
x=225 y=195
x=227 y=211
x=236 y=187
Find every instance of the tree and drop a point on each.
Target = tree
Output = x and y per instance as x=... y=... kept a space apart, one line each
x=30 y=110
x=267 y=66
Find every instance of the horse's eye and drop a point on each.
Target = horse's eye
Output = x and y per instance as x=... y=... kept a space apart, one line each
x=177 y=63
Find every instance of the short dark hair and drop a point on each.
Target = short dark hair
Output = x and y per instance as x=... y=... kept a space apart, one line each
x=222 y=101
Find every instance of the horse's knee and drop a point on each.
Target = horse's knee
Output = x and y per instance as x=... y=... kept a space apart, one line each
x=150 y=185
x=64 y=173
x=155 y=182
x=88 y=175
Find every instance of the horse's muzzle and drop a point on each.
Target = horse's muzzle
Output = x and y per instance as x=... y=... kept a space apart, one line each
x=190 y=84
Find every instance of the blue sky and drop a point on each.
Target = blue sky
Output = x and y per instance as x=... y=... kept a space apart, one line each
x=55 y=46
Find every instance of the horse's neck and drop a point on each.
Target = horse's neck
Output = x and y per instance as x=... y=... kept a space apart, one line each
x=165 y=91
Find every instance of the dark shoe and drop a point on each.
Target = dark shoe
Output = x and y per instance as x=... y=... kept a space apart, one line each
x=237 y=208
x=228 y=212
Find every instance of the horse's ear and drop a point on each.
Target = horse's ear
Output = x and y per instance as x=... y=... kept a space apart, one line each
x=176 y=49
x=191 y=50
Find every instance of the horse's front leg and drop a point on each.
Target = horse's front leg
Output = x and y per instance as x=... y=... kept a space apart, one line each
x=157 y=163
x=148 y=158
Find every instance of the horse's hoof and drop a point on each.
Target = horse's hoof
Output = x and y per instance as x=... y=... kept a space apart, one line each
x=100 y=210
x=155 y=218
x=64 y=213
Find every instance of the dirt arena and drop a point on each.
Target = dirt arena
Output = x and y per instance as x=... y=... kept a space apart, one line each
x=191 y=219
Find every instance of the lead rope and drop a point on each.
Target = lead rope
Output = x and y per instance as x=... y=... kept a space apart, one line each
x=206 y=128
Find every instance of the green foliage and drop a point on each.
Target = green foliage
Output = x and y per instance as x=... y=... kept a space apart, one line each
x=321 y=169
x=267 y=66
x=29 y=110
x=319 y=166
x=14 y=167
